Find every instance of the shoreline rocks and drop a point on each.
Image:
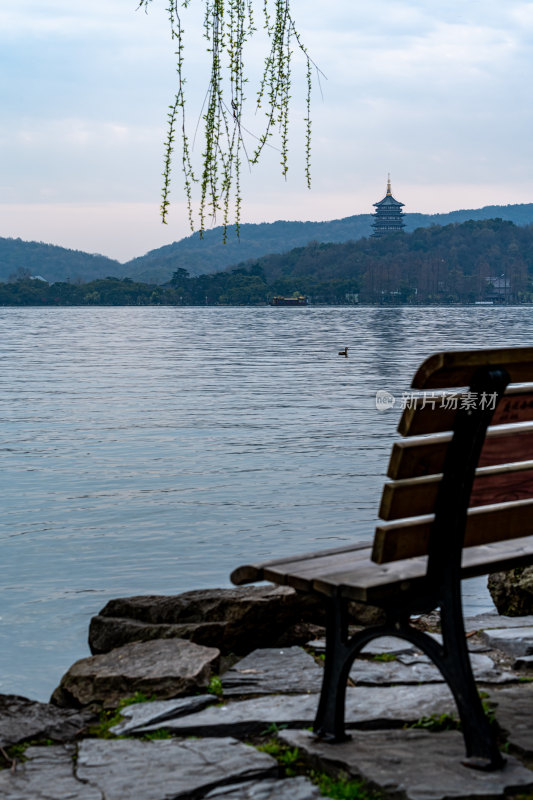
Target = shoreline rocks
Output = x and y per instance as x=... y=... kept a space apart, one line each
x=512 y=591
x=233 y=620
x=164 y=667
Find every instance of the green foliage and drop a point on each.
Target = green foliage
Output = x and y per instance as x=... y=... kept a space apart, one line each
x=338 y=788
x=384 y=657
x=342 y=788
x=109 y=718
x=437 y=723
x=16 y=753
x=215 y=686
x=288 y=757
x=273 y=728
x=162 y=733
x=228 y=27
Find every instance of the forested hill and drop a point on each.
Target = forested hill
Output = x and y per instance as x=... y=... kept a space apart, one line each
x=52 y=262
x=469 y=262
x=208 y=255
x=200 y=256
x=476 y=261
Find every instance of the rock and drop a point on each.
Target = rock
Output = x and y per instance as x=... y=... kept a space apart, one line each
x=287 y=789
x=512 y=591
x=22 y=719
x=514 y=714
x=483 y=622
x=139 y=714
x=234 y=620
x=161 y=770
x=413 y=764
x=384 y=644
x=271 y=671
x=417 y=668
x=299 y=634
x=513 y=641
x=365 y=707
x=107 y=633
x=165 y=668
x=125 y=768
x=46 y=774
x=524 y=663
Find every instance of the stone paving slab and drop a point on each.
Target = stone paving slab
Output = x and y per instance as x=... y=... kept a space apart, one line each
x=286 y=789
x=393 y=645
x=523 y=663
x=385 y=644
x=168 y=769
x=514 y=713
x=414 y=669
x=365 y=707
x=513 y=641
x=48 y=774
x=489 y=621
x=125 y=769
x=413 y=764
x=269 y=671
x=139 y=714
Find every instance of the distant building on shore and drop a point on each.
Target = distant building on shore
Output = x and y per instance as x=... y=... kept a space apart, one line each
x=389 y=215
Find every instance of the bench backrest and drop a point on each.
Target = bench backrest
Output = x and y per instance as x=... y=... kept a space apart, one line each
x=434 y=423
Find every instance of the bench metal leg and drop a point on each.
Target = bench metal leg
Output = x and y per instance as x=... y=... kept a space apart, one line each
x=452 y=659
x=480 y=739
x=340 y=655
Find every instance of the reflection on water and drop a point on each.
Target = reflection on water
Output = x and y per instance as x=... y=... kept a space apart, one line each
x=150 y=450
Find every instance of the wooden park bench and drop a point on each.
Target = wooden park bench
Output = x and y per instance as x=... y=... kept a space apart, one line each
x=459 y=505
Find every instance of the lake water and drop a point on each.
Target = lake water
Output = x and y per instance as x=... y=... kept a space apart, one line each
x=152 y=450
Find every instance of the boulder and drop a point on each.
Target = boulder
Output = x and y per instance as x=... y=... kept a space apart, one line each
x=234 y=620
x=512 y=591
x=23 y=720
x=164 y=667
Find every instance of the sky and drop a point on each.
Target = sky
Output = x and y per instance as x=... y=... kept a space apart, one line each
x=436 y=93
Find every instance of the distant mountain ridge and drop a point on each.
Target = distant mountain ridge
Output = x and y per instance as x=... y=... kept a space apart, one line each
x=202 y=256
x=52 y=262
x=209 y=254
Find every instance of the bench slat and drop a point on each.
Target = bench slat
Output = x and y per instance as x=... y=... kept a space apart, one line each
x=300 y=575
x=249 y=573
x=416 y=496
x=361 y=579
x=409 y=538
x=457 y=368
x=429 y=415
x=419 y=456
x=375 y=583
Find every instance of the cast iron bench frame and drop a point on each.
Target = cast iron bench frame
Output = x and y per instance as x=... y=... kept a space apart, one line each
x=416 y=565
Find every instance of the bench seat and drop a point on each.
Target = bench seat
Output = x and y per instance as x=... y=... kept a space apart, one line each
x=350 y=572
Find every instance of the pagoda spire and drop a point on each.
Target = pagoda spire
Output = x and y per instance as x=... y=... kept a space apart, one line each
x=389 y=192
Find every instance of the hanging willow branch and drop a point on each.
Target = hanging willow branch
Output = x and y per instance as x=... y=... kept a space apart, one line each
x=228 y=25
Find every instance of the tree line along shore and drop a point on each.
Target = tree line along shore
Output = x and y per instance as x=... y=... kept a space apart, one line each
x=473 y=262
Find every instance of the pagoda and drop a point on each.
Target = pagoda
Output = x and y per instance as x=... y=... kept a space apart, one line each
x=388 y=216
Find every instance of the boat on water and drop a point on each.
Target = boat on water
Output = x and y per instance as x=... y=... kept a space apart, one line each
x=298 y=300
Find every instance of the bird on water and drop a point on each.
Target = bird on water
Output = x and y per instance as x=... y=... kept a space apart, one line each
x=344 y=352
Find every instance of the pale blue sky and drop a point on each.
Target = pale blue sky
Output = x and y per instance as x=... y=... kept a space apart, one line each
x=436 y=92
